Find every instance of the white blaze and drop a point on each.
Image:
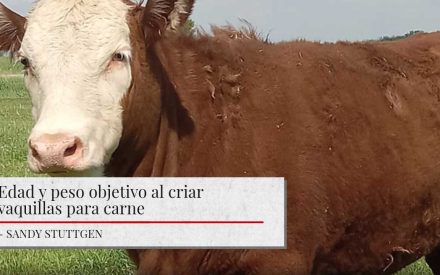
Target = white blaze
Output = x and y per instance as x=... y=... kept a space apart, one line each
x=70 y=44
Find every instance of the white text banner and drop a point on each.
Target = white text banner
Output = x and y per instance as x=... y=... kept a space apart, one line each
x=143 y=212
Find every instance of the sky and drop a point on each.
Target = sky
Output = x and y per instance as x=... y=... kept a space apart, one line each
x=318 y=20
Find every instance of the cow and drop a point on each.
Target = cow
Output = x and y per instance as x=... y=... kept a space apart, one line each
x=119 y=89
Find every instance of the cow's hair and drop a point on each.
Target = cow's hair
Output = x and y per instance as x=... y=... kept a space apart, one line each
x=246 y=31
x=12 y=28
x=178 y=16
x=162 y=15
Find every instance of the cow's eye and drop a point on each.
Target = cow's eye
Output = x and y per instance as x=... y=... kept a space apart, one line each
x=119 y=57
x=25 y=62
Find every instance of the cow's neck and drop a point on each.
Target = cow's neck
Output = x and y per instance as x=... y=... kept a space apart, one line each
x=162 y=138
x=182 y=83
x=175 y=122
x=153 y=121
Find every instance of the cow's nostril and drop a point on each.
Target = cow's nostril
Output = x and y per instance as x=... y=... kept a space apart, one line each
x=71 y=150
x=34 y=151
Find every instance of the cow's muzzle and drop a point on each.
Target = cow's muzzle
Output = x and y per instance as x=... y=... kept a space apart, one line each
x=55 y=153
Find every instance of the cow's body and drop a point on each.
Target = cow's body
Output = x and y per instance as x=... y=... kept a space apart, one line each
x=354 y=128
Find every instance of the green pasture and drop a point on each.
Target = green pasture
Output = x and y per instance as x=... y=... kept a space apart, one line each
x=15 y=123
x=9 y=66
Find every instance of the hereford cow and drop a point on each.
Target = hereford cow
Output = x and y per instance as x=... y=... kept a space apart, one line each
x=118 y=89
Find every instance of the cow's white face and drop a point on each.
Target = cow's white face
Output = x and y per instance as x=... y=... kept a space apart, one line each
x=77 y=58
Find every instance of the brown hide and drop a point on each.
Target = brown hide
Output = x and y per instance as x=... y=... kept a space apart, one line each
x=12 y=28
x=354 y=128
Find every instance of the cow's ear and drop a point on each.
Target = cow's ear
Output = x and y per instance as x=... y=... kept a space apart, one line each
x=162 y=15
x=12 y=27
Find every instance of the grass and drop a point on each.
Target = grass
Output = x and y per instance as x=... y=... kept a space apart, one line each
x=76 y=261
x=15 y=124
x=8 y=67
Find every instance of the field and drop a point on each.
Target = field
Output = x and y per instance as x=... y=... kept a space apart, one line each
x=7 y=67
x=15 y=124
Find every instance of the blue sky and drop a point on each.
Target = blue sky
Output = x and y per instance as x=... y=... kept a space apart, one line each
x=325 y=20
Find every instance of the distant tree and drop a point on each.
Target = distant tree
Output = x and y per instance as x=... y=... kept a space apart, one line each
x=189 y=26
x=399 y=37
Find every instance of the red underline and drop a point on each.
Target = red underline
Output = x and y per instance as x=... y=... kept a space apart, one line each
x=131 y=222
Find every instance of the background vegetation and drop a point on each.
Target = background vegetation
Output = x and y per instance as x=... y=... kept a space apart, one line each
x=15 y=124
x=398 y=37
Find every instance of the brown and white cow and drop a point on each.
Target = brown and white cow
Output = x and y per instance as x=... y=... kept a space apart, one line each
x=354 y=127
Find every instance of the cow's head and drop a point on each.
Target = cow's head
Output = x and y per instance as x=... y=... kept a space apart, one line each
x=78 y=62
